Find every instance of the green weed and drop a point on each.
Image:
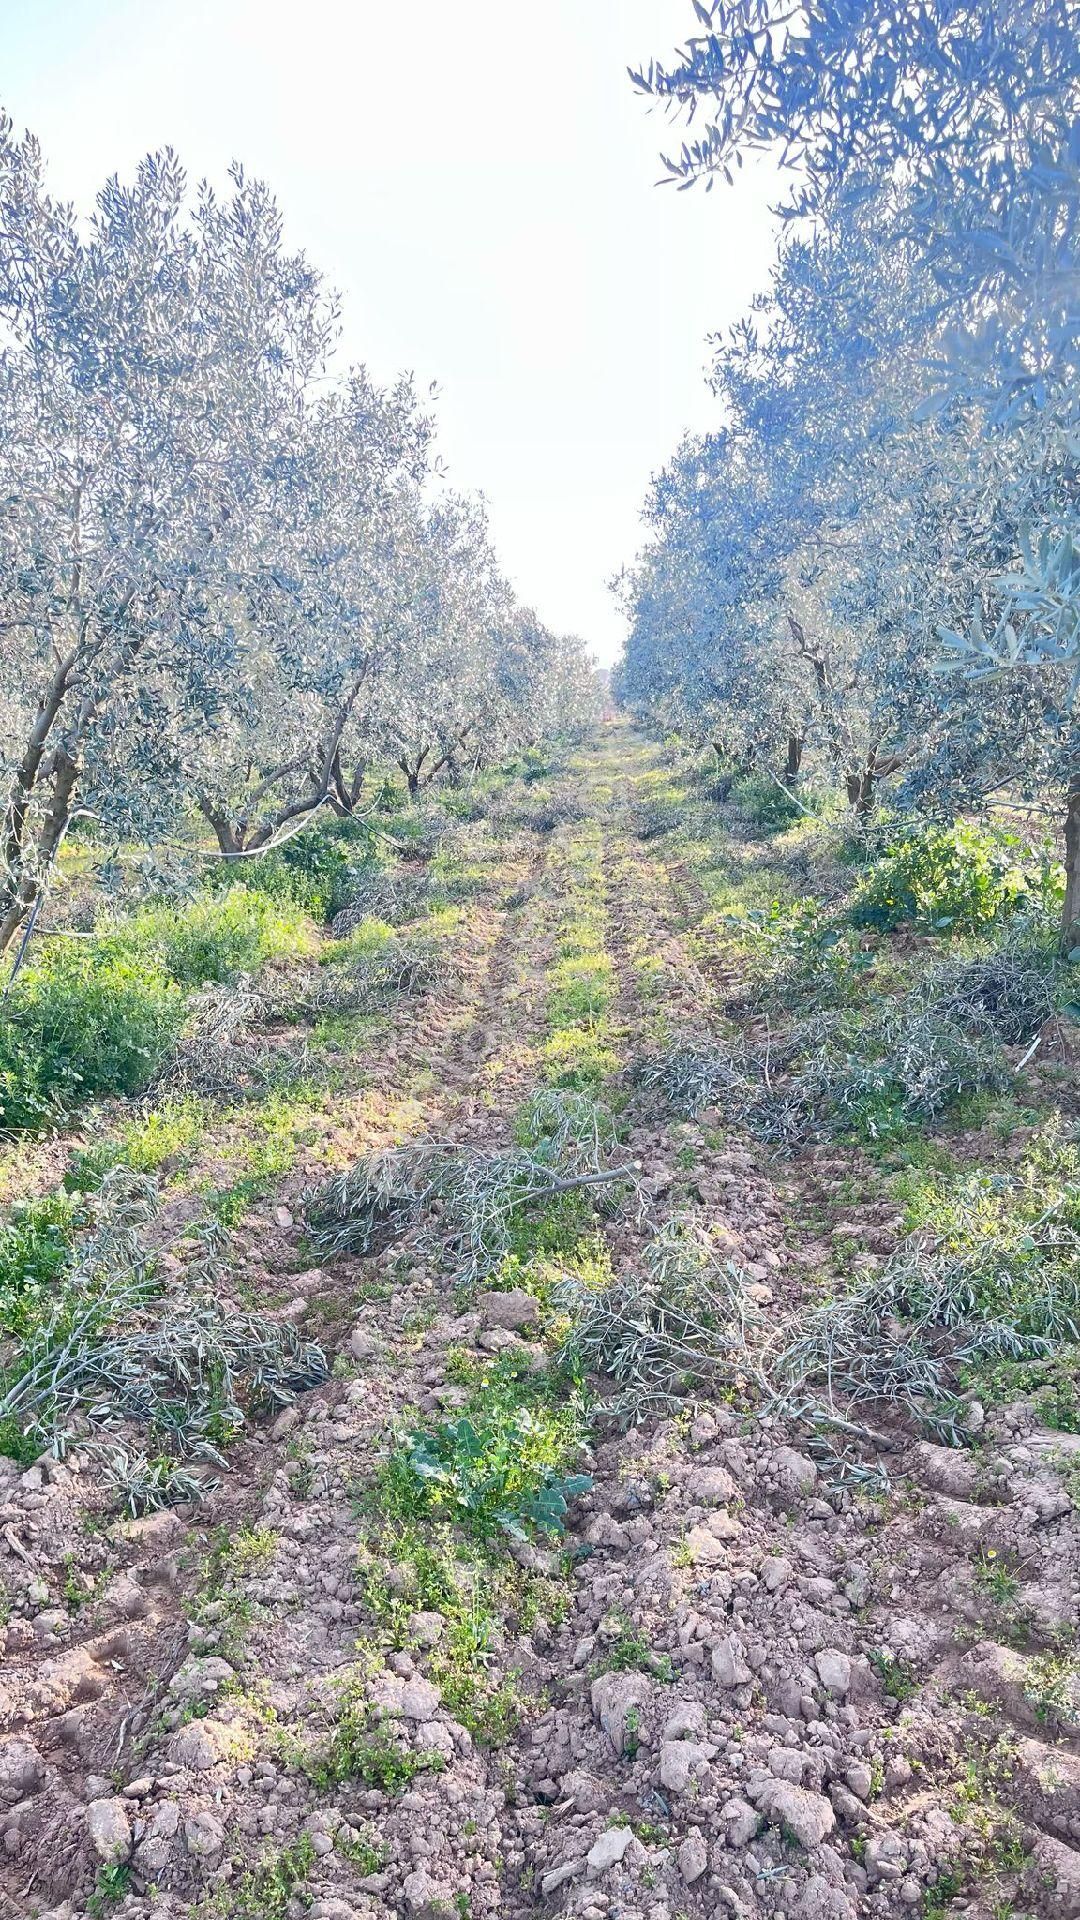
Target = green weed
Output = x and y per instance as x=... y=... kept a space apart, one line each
x=35 y=1248
x=500 y=1467
x=112 y=1883
x=218 y=936
x=958 y=879
x=628 y=1651
x=266 y=1891
x=83 y=1020
x=364 y=1746
x=898 y=1677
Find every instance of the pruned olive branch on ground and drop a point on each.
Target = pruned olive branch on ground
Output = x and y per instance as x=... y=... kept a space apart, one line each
x=687 y=1320
x=463 y=1203
x=216 y=1053
x=390 y=894
x=367 y=983
x=119 y=1349
x=824 y=1073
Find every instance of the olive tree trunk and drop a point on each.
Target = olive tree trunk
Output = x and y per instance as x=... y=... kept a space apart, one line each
x=1070 y=908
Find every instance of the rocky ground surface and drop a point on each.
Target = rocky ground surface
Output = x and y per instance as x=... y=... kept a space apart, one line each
x=828 y=1712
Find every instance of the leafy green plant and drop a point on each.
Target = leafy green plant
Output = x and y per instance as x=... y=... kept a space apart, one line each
x=582 y=990
x=364 y=1746
x=958 y=879
x=628 y=1651
x=578 y=1060
x=500 y=1467
x=91 y=1018
x=765 y=802
x=478 y=1594
x=35 y=1250
x=364 y=1850
x=1053 y=1688
x=112 y=1883
x=266 y=1890
x=314 y=871
x=898 y=1677
x=995 y=1576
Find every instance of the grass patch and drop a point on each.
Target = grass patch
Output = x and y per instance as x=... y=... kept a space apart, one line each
x=364 y=1745
x=35 y=1252
x=628 y=1651
x=219 y=936
x=268 y=1890
x=463 y=1598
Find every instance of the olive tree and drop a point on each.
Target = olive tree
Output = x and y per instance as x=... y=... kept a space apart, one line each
x=328 y=612
x=959 y=125
x=152 y=385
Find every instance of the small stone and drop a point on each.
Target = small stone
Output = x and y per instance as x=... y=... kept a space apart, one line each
x=685 y=1721
x=728 y=1665
x=608 y=1850
x=776 y=1572
x=125 y=1597
x=681 y=1761
x=706 y=1546
x=21 y=1768
x=109 y=1830
x=711 y=1486
x=617 y=1699
x=795 y=1471
x=741 y=1820
x=199 y=1679
x=50 y=1625
x=693 y=1857
x=419 y=1699
x=834 y=1671
x=859 y=1779
x=511 y=1310
x=426 y=1628
x=201 y=1744
x=808 y=1816
x=557 y=1877
x=420 y=1891
x=204 y=1835
x=886 y=1858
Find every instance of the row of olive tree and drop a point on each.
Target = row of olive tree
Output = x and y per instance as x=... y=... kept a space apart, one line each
x=876 y=556
x=227 y=582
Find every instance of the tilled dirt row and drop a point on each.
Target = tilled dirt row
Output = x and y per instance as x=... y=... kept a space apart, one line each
x=824 y=1711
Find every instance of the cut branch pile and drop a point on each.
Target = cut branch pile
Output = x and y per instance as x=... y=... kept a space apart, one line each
x=401 y=970
x=827 y=1073
x=119 y=1349
x=687 y=1321
x=466 y=1202
x=394 y=895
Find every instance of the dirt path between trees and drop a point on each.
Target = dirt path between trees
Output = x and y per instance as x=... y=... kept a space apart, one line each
x=730 y=1688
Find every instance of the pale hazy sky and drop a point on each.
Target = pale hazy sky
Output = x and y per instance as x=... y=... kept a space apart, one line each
x=476 y=177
